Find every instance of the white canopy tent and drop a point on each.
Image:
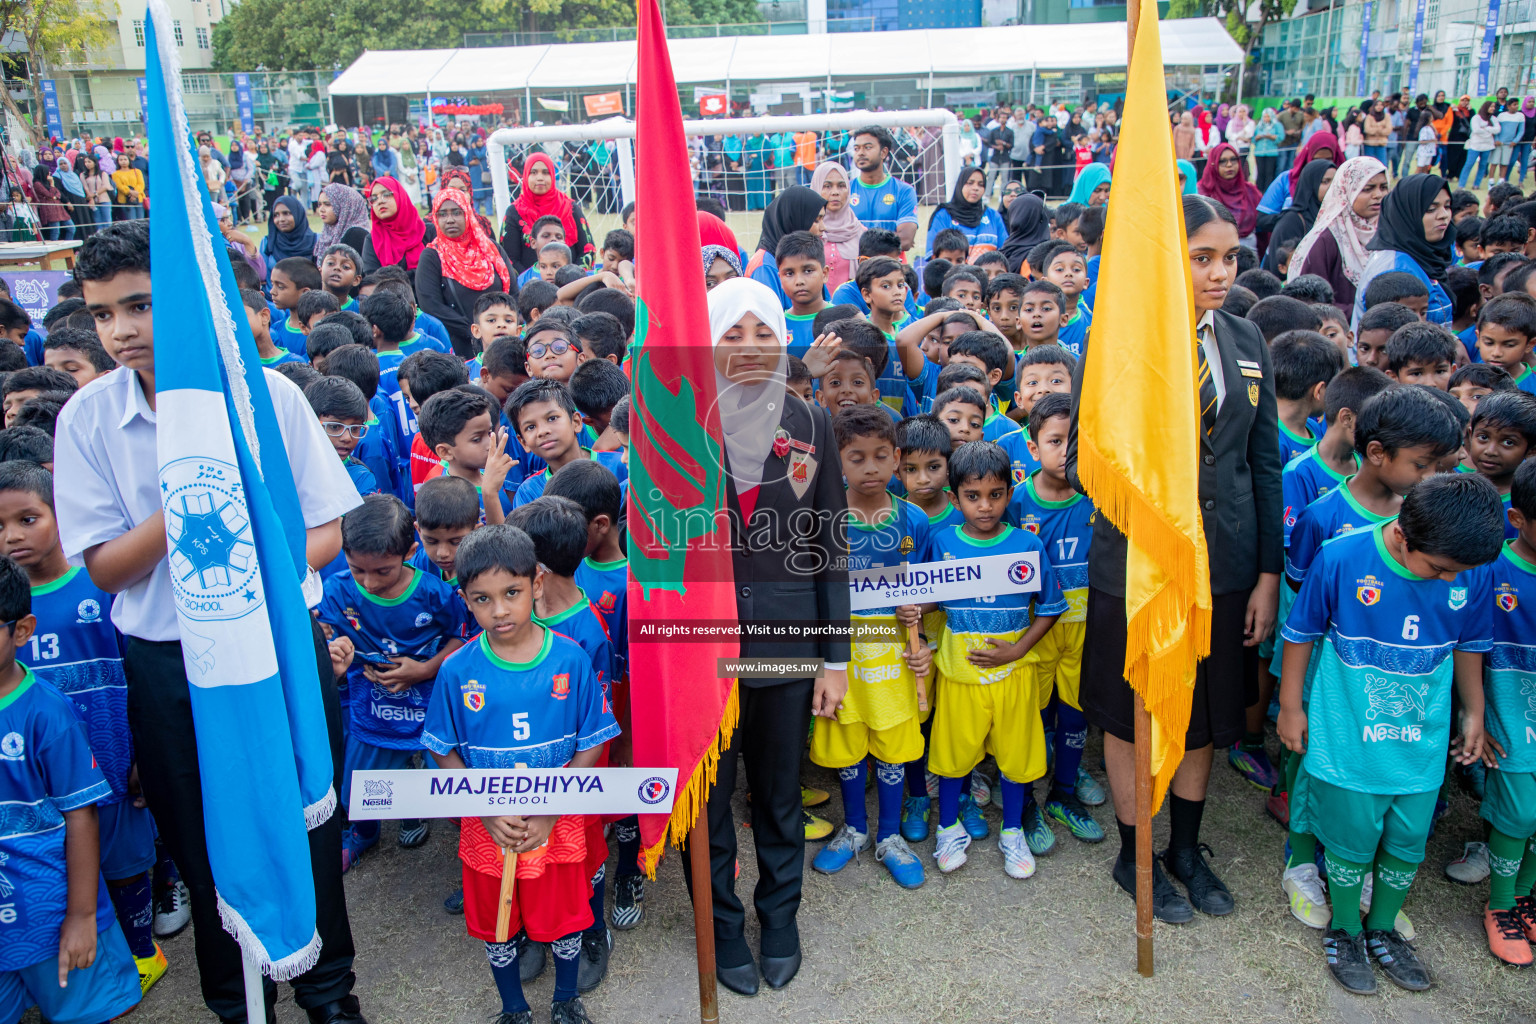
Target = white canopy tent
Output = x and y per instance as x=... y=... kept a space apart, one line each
x=1190 y=42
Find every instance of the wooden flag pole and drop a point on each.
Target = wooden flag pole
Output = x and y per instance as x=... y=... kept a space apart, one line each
x=1143 y=726
x=703 y=917
x=508 y=890
x=922 y=684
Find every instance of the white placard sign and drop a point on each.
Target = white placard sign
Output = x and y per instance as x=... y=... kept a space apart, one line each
x=483 y=792
x=952 y=580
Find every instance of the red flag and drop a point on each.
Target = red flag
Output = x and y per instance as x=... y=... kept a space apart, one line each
x=682 y=713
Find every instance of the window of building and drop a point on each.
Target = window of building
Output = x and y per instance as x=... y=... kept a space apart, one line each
x=138 y=33
x=202 y=39
x=1431 y=15
x=179 y=40
x=200 y=84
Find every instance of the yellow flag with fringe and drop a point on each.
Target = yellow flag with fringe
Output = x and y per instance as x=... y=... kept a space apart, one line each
x=1138 y=414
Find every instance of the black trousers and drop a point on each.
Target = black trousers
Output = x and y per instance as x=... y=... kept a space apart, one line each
x=160 y=718
x=770 y=735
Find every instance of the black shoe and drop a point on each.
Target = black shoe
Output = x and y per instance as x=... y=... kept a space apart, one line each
x=1397 y=958
x=628 y=902
x=741 y=977
x=779 y=971
x=595 y=947
x=530 y=957
x=569 y=1012
x=1168 y=905
x=521 y=1017
x=1207 y=893
x=338 y=1011
x=1348 y=963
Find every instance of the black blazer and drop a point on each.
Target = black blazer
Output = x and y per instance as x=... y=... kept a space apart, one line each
x=1240 y=467
x=790 y=557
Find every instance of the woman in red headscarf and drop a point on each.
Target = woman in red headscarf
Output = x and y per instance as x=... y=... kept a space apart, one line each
x=1226 y=181
x=540 y=198
x=396 y=233
x=461 y=264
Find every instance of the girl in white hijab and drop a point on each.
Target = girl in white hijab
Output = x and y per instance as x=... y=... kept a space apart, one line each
x=746 y=325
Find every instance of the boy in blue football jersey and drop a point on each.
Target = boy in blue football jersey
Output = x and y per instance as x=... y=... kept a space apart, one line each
x=988 y=351
x=402 y=623
x=343 y=413
x=376 y=449
x=1400 y=608
x=1500 y=436
x=558 y=528
x=341 y=272
x=289 y=281
x=1048 y=507
x=922 y=347
x=879 y=716
x=1506 y=336
x=802 y=264
x=311 y=308
x=1509 y=802
x=461 y=427
x=61 y=948
x=1060 y=263
x=447 y=511
x=1304 y=363
x=544 y=415
x=420 y=376
x=395 y=278
x=76 y=649
x=521 y=694
x=259 y=316
x=986 y=700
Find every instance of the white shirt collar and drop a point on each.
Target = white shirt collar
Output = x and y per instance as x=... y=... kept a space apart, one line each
x=134 y=402
x=1206 y=319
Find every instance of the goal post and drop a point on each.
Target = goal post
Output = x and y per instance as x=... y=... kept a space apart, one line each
x=931 y=162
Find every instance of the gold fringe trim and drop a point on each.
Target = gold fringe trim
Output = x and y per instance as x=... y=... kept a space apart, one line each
x=691 y=799
x=1168 y=633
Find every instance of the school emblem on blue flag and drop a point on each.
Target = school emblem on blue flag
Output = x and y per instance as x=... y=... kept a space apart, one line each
x=235 y=547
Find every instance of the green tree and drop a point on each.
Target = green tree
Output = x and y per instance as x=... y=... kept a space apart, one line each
x=56 y=32
x=293 y=35
x=1233 y=14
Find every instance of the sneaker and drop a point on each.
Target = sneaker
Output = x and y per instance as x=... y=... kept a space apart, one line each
x=413 y=833
x=1254 y=765
x=1525 y=913
x=353 y=846
x=454 y=904
x=810 y=796
x=914 y=818
x=1304 y=889
x=1278 y=806
x=949 y=847
x=532 y=957
x=1506 y=938
x=1168 y=904
x=593 y=965
x=844 y=847
x=1017 y=860
x=1401 y=924
x=1398 y=959
x=569 y=1012
x=1088 y=789
x=1207 y=893
x=151 y=968
x=971 y=817
x=816 y=829
x=905 y=867
x=1348 y=962
x=173 y=909
x=981 y=789
x=1471 y=868
x=520 y=1017
x=628 y=900
x=1036 y=831
x=1069 y=811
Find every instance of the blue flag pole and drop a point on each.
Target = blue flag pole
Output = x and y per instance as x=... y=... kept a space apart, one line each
x=235 y=542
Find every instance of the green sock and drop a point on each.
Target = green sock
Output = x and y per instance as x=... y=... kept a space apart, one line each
x=1393 y=877
x=1344 y=881
x=1292 y=766
x=1303 y=849
x=1525 y=881
x=1506 y=855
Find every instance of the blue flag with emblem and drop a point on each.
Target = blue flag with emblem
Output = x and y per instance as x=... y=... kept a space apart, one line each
x=236 y=553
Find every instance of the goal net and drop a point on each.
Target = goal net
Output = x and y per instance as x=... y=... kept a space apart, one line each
x=742 y=163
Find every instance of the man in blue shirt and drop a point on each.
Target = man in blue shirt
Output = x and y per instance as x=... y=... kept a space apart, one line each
x=879 y=200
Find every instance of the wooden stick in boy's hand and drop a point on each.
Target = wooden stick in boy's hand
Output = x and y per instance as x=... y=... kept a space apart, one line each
x=508 y=889
x=919 y=657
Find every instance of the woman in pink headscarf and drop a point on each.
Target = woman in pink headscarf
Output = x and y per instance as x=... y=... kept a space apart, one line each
x=1335 y=246
x=840 y=227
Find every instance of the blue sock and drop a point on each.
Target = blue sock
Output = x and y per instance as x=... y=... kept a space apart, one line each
x=1014 y=794
x=134 y=904
x=917 y=776
x=626 y=835
x=851 y=781
x=567 y=953
x=888 y=789
x=949 y=799
x=598 y=880
x=503 y=958
x=1071 y=735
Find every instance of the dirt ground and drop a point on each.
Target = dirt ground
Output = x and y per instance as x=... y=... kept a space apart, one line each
x=971 y=946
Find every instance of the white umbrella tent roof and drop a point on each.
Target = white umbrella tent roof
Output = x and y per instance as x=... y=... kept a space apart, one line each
x=1189 y=42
